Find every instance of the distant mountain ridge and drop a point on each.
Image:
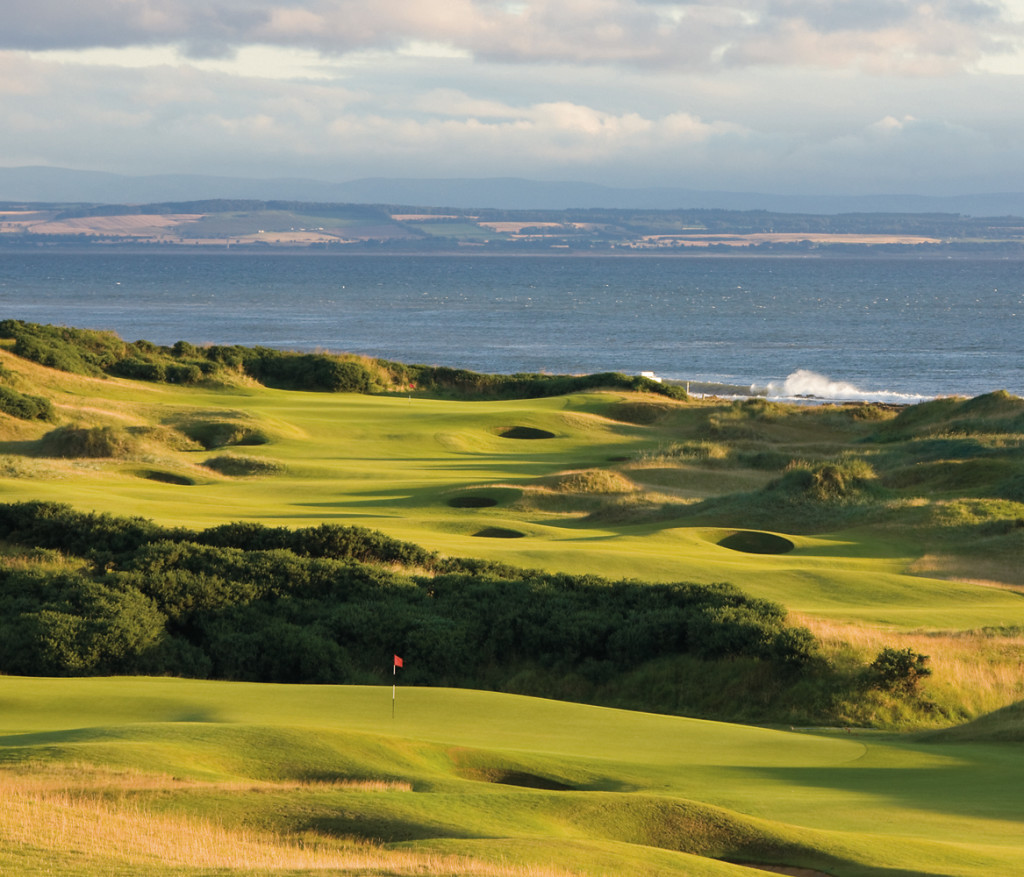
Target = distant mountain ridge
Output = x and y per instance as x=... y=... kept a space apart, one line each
x=64 y=185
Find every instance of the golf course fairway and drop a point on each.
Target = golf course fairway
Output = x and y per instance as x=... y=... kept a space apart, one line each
x=487 y=777
x=868 y=529
x=594 y=497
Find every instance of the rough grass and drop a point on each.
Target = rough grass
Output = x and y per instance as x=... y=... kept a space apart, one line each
x=975 y=672
x=91 y=821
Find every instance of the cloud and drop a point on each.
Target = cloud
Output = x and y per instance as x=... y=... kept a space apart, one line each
x=895 y=35
x=181 y=118
x=877 y=36
x=798 y=95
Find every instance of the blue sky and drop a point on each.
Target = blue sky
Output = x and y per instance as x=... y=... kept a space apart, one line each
x=787 y=96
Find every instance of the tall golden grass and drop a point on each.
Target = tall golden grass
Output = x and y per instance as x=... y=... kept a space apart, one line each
x=77 y=815
x=984 y=670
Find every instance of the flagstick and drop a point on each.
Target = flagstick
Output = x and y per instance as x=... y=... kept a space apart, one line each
x=394 y=673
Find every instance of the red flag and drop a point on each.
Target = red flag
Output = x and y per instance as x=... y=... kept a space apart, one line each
x=398 y=661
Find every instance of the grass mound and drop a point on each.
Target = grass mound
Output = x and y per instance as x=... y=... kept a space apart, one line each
x=75 y=442
x=239 y=467
x=152 y=776
x=993 y=412
x=756 y=542
x=213 y=434
x=640 y=413
x=806 y=499
x=593 y=481
x=951 y=475
x=1005 y=725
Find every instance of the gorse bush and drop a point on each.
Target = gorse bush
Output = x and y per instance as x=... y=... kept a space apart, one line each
x=25 y=407
x=93 y=353
x=992 y=412
x=898 y=670
x=80 y=351
x=331 y=604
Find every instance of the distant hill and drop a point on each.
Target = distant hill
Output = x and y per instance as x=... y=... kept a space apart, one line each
x=63 y=185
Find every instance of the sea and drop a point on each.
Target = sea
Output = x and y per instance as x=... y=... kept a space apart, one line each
x=826 y=328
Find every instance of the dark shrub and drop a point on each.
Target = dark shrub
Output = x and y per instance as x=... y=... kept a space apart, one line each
x=187 y=373
x=25 y=407
x=138 y=369
x=899 y=670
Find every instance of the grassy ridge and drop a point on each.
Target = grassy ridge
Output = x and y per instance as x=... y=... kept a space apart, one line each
x=501 y=780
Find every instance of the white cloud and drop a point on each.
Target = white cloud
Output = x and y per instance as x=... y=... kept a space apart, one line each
x=900 y=35
x=750 y=94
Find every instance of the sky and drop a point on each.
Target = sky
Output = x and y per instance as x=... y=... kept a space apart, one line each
x=783 y=96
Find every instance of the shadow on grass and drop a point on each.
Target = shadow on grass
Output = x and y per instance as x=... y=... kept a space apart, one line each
x=986 y=786
x=382 y=828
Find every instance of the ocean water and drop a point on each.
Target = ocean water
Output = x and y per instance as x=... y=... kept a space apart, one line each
x=896 y=329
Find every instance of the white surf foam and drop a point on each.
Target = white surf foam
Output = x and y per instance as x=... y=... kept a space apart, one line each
x=804 y=384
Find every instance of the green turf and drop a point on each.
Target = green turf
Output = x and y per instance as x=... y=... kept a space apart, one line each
x=604 y=791
x=535 y=780
x=395 y=462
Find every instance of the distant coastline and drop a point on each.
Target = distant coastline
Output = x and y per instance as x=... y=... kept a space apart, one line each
x=950 y=252
x=300 y=227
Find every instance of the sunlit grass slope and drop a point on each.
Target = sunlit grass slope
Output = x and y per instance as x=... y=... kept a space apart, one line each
x=97 y=773
x=626 y=486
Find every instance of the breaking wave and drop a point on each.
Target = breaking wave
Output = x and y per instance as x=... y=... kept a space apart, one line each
x=805 y=384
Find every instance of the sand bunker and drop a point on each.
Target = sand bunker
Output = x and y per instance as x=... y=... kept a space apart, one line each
x=525 y=432
x=756 y=542
x=520 y=778
x=499 y=533
x=165 y=477
x=472 y=502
